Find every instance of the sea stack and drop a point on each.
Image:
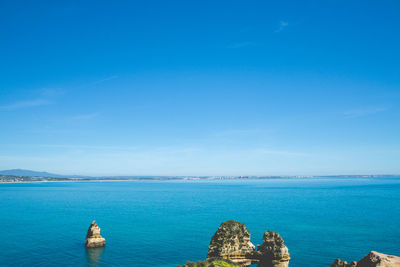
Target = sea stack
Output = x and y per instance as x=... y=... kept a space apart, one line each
x=231 y=246
x=373 y=259
x=273 y=252
x=93 y=237
x=232 y=242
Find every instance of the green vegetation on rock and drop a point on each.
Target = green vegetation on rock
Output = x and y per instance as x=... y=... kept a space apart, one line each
x=211 y=263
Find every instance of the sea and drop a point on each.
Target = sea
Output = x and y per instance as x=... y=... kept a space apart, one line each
x=167 y=223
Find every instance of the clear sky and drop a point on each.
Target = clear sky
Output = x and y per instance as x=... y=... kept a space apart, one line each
x=200 y=87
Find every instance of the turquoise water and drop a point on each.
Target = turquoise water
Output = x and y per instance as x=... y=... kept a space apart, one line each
x=158 y=223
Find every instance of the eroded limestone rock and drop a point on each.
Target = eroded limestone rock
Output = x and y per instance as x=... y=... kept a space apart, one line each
x=340 y=263
x=211 y=263
x=272 y=252
x=373 y=259
x=93 y=237
x=232 y=242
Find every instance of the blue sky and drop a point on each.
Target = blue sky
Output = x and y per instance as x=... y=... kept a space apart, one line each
x=200 y=87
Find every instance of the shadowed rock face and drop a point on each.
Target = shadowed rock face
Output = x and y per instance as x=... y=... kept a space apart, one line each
x=273 y=252
x=373 y=259
x=232 y=242
x=93 y=237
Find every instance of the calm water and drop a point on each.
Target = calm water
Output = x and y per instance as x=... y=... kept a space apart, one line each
x=167 y=223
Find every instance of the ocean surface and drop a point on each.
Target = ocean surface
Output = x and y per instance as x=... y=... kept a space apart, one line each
x=165 y=223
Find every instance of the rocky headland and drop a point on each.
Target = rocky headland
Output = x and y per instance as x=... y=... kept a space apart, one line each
x=372 y=259
x=93 y=237
x=230 y=246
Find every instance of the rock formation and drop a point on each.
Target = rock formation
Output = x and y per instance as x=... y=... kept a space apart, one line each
x=340 y=263
x=211 y=263
x=230 y=246
x=273 y=252
x=232 y=242
x=373 y=259
x=93 y=237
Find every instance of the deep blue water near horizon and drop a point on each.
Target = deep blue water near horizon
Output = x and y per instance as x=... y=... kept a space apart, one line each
x=165 y=223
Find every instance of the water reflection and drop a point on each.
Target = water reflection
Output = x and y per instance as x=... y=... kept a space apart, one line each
x=93 y=256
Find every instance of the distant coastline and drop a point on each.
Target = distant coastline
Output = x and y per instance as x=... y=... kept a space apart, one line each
x=41 y=179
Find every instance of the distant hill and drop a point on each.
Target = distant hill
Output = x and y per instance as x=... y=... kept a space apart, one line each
x=30 y=173
x=21 y=172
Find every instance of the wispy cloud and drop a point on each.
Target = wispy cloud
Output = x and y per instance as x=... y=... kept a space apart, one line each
x=44 y=96
x=104 y=80
x=91 y=84
x=355 y=113
x=282 y=26
x=26 y=104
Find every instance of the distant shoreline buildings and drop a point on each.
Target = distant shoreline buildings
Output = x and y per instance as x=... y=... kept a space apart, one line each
x=30 y=179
